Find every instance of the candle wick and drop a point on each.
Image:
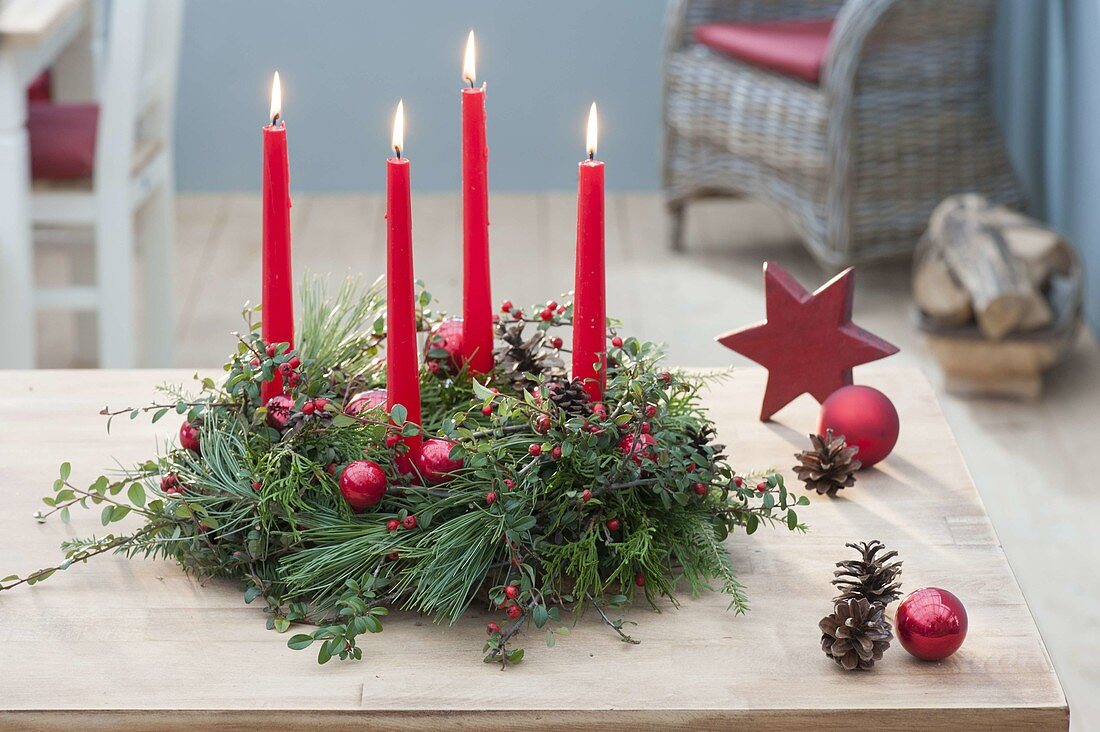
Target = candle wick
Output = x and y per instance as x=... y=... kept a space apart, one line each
x=591 y=154
x=470 y=82
x=397 y=150
x=275 y=119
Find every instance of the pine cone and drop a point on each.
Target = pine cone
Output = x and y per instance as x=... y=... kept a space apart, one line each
x=871 y=577
x=570 y=397
x=703 y=438
x=520 y=358
x=829 y=466
x=856 y=634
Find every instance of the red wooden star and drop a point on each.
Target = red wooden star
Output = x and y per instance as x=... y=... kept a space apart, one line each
x=808 y=343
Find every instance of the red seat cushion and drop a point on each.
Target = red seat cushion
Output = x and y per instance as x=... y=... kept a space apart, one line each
x=41 y=89
x=793 y=47
x=62 y=140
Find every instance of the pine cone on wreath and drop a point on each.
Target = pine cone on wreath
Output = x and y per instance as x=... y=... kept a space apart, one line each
x=702 y=438
x=520 y=355
x=829 y=466
x=856 y=634
x=570 y=397
x=873 y=577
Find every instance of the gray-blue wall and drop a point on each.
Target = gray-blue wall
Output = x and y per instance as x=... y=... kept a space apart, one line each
x=344 y=64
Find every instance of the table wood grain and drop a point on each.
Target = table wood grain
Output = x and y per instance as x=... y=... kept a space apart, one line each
x=130 y=644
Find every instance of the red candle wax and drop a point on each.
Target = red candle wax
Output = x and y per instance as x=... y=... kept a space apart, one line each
x=402 y=355
x=278 y=292
x=589 y=298
x=477 y=306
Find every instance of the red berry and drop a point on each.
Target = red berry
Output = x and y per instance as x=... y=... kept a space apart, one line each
x=320 y=403
x=393 y=556
x=491 y=628
x=738 y=481
x=646 y=428
x=308 y=408
x=170 y=484
x=665 y=377
x=514 y=612
x=556 y=342
x=496 y=318
x=639 y=579
x=613 y=524
x=650 y=411
x=487 y=410
x=331 y=468
x=542 y=424
x=586 y=495
x=362 y=484
x=506 y=306
x=409 y=522
x=294 y=362
x=547 y=314
x=434 y=367
x=517 y=315
x=257 y=485
x=555 y=452
x=551 y=305
x=638 y=447
x=700 y=489
x=270 y=350
x=511 y=592
x=600 y=410
x=189 y=437
x=491 y=497
x=561 y=309
x=392 y=439
x=535 y=449
x=509 y=483
x=617 y=342
x=392 y=525
x=255 y=362
x=762 y=486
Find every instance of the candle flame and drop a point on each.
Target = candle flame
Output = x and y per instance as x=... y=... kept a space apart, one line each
x=276 y=99
x=592 y=131
x=399 y=128
x=469 y=68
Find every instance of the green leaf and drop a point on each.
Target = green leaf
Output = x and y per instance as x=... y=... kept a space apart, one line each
x=159 y=413
x=105 y=515
x=281 y=624
x=119 y=512
x=65 y=515
x=399 y=414
x=549 y=639
x=251 y=594
x=792 y=520
x=481 y=391
x=300 y=641
x=66 y=470
x=539 y=615
x=515 y=656
x=136 y=494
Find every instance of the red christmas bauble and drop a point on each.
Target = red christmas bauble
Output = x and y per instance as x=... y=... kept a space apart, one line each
x=278 y=410
x=189 y=437
x=446 y=336
x=434 y=462
x=866 y=418
x=365 y=401
x=931 y=623
x=362 y=484
x=638 y=446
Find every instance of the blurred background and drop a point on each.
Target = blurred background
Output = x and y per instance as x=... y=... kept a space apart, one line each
x=813 y=133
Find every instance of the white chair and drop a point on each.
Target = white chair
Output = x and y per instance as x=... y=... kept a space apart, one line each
x=132 y=176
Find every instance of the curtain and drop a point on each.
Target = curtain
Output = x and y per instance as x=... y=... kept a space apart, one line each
x=1047 y=95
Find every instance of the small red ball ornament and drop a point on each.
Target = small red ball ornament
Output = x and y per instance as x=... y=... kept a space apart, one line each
x=931 y=623
x=362 y=484
x=446 y=336
x=189 y=437
x=866 y=418
x=278 y=410
x=365 y=401
x=638 y=446
x=434 y=461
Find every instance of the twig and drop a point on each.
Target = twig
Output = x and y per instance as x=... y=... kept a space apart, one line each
x=610 y=623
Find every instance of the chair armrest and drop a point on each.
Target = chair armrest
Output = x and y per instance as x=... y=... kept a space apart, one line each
x=684 y=15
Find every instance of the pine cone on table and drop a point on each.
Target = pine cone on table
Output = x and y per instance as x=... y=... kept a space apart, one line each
x=856 y=634
x=521 y=357
x=873 y=577
x=829 y=466
x=570 y=397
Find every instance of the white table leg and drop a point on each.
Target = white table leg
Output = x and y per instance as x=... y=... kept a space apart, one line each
x=17 y=314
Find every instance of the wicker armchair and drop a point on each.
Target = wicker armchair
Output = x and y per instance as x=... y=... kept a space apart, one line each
x=900 y=120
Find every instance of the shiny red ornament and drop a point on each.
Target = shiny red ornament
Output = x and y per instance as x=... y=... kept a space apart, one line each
x=808 y=343
x=189 y=437
x=434 y=461
x=278 y=411
x=638 y=447
x=867 y=419
x=931 y=623
x=446 y=337
x=362 y=484
x=365 y=401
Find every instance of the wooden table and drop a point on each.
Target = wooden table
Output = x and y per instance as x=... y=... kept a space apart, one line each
x=131 y=644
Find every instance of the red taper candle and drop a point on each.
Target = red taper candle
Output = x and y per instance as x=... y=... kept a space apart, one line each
x=402 y=354
x=477 y=305
x=278 y=291
x=589 y=296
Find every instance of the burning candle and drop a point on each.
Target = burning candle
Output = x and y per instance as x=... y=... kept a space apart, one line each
x=589 y=299
x=477 y=306
x=278 y=291
x=402 y=355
